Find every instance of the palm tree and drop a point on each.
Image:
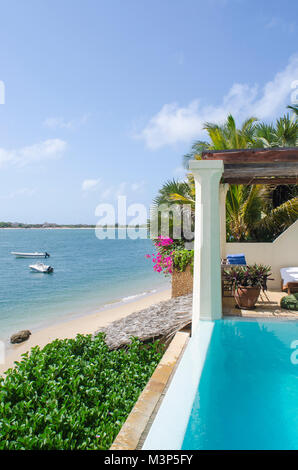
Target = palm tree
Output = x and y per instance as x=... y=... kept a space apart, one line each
x=224 y=137
x=177 y=193
x=243 y=206
x=255 y=212
x=252 y=216
x=294 y=108
x=227 y=136
x=275 y=220
x=283 y=134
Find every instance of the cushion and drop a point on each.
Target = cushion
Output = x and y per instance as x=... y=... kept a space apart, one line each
x=289 y=275
x=236 y=259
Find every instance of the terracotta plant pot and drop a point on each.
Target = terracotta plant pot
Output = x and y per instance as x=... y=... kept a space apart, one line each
x=246 y=297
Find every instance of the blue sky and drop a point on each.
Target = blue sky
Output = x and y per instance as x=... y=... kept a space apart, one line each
x=103 y=97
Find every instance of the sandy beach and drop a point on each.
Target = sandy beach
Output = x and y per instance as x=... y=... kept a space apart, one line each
x=81 y=325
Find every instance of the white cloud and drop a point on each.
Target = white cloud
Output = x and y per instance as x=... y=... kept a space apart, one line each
x=124 y=188
x=90 y=184
x=47 y=150
x=62 y=123
x=22 y=192
x=106 y=193
x=179 y=173
x=282 y=24
x=174 y=124
x=137 y=186
x=113 y=191
x=120 y=190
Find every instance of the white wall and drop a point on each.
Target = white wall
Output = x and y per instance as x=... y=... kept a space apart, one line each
x=281 y=253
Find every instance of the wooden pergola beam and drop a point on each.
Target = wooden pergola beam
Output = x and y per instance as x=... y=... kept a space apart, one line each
x=268 y=156
x=257 y=166
x=260 y=170
x=259 y=180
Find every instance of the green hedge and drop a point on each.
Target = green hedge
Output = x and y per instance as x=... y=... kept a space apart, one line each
x=73 y=394
x=290 y=302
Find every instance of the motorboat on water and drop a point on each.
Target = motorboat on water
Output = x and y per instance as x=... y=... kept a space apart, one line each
x=36 y=254
x=41 y=268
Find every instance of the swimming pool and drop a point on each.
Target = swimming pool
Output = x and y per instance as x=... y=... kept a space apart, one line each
x=236 y=387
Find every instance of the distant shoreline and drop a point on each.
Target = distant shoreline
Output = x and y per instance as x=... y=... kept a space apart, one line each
x=72 y=228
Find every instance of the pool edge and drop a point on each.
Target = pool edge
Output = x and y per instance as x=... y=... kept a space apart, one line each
x=133 y=428
x=168 y=428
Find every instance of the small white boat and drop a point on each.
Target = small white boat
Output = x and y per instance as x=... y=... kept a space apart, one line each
x=41 y=268
x=19 y=254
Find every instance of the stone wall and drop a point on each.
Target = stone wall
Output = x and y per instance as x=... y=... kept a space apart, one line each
x=182 y=282
x=281 y=253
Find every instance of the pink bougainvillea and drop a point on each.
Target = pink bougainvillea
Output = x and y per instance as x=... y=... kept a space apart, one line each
x=163 y=241
x=163 y=261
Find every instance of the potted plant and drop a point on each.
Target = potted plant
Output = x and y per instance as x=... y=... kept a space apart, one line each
x=182 y=277
x=247 y=283
x=172 y=259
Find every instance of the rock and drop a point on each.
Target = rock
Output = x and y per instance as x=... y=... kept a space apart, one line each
x=21 y=336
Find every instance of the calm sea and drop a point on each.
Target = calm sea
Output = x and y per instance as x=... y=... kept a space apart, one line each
x=88 y=274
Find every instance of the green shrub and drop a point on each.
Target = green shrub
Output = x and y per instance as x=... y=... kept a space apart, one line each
x=73 y=394
x=183 y=258
x=290 y=302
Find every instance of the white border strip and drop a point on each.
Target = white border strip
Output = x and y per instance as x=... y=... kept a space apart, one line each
x=169 y=426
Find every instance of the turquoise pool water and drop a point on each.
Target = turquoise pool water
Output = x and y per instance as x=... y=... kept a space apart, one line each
x=248 y=392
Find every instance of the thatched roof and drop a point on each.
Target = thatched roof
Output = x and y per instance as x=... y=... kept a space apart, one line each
x=157 y=321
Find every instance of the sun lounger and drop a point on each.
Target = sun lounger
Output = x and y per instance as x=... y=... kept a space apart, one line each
x=289 y=279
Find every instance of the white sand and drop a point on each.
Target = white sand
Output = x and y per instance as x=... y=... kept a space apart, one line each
x=82 y=325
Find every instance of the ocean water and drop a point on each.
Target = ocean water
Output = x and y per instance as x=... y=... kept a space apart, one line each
x=88 y=274
x=247 y=396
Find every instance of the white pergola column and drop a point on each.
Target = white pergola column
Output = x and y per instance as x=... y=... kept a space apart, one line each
x=207 y=304
x=223 y=189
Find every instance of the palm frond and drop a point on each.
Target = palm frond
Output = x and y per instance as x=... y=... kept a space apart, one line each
x=197 y=148
x=180 y=198
x=279 y=218
x=252 y=206
x=294 y=108
x=172 y=187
